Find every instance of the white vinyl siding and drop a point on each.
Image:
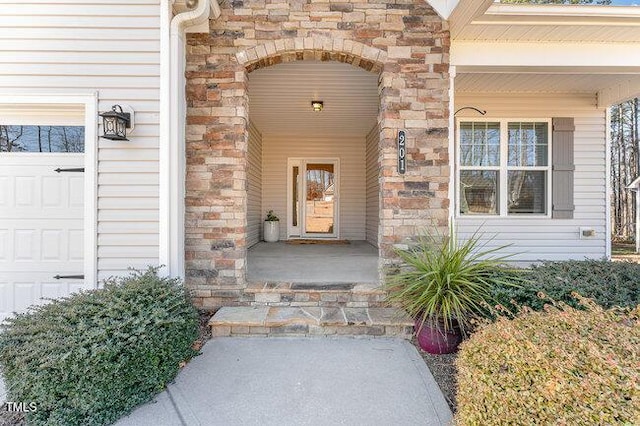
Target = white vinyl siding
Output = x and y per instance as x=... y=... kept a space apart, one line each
x=112 y=47
x=373 y=185
x=533 y=239
x=350 y=151
x=254 y=187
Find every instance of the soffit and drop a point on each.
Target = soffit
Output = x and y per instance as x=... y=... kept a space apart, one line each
x=539 y=82
x=280 y=99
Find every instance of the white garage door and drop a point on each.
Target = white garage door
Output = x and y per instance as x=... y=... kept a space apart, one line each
x=41 y=214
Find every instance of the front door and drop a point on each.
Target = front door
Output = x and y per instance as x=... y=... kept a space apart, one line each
x=313 y=198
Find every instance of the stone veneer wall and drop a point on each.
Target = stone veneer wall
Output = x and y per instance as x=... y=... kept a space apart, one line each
x=404 y=41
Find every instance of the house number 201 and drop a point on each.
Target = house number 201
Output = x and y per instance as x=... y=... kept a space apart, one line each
x=402 y=152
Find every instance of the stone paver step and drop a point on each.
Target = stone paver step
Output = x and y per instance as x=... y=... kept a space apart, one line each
x=351 y=295
x=310 y=320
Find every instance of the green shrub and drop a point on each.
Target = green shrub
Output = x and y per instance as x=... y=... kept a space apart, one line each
x=559 y=366
x=607 y=283
x=92 y=357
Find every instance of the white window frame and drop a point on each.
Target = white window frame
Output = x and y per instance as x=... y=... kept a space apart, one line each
x=504 y=168
x=38 y=106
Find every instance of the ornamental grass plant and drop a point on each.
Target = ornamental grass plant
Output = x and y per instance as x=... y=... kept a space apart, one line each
x=446 y=281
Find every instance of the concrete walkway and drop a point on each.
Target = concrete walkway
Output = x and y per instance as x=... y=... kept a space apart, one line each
x=356 y=262
x=300 y=381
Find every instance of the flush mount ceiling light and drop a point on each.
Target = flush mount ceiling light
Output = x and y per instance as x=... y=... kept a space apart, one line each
x=317 y=105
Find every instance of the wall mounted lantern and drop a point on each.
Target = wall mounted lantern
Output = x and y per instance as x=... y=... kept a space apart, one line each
x=115 y=123
x=317 y=105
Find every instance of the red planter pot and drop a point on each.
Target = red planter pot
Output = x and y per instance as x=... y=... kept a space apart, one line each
x=433 y=338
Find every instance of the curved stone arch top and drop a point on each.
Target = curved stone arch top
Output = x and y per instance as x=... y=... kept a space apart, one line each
x=313 y=48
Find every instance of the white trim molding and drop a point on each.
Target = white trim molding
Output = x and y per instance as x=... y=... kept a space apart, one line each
x=172 y=133
x=607 y=185
x=503 y=169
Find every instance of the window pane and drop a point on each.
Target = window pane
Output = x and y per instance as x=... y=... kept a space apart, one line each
x=528 y=144
x=527 y=191
x=41 y=138
x=479 y=192
x=479 y=144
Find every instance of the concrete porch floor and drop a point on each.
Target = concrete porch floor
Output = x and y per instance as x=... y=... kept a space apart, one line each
x=356 y=262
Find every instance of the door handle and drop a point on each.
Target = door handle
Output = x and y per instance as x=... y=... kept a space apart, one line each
x=69 y=277
x=73 y=169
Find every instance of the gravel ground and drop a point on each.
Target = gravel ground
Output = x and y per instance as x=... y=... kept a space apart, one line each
x=444 y=371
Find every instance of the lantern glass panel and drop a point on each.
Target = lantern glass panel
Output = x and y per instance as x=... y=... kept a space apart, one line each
x=109 y=126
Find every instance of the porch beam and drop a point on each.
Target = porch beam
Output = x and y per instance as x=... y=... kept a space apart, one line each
x=618 y=93
x=606 y=58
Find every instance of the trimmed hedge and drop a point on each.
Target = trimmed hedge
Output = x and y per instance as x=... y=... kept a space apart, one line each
x=92 y=357
x=563 y=366
x=607 y=283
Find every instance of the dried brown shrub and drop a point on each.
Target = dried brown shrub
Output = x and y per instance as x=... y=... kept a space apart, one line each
x=559 y=366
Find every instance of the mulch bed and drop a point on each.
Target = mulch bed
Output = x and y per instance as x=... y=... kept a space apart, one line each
x=443 y=369
x=204 y=331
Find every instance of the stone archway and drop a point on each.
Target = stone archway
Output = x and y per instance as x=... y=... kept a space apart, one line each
x=413 y=91
x=308 y=48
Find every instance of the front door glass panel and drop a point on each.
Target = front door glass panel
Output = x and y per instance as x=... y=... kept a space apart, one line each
x=320 y=198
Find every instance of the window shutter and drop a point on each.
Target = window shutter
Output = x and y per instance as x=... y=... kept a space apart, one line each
x=562 y=167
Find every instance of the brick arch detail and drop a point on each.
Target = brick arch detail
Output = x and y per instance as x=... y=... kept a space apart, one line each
x=347 y=51
x=405 y=43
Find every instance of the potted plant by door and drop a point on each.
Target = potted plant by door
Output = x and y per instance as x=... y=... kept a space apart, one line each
x=271 y=227
x=442 y=285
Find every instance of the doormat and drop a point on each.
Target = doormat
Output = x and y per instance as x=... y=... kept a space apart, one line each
x=310 y=241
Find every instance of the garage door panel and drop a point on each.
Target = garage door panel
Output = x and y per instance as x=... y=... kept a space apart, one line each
x=6 y=298
x=27 y=289
x=26 y=247
x=49 y=268
x=41 y=228
x=24 y=191
x=52 y=191
x=4 y=191
x=34 y=214
x=76 y=245
x=4 y=244
x=41 y=188
x=24 y=294
x=76 y=192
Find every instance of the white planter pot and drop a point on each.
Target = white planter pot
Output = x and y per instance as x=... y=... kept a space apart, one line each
x=271 y=231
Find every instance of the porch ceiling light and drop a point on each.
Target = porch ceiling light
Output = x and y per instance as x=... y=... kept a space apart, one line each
x=115 y=124
x=317 y=105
